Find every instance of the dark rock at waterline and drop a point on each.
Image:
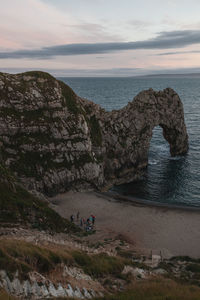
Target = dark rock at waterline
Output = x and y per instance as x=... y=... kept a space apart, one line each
x=55 y=141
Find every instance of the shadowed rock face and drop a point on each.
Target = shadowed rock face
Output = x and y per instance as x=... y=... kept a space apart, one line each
x=55 y=141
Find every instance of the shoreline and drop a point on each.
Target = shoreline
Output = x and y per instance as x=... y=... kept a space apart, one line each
x=171 y=231
x=148 y=203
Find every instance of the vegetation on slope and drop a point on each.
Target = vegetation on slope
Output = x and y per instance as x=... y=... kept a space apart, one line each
x=38 y=74
x=95 y=131
x=157 y=289
x=25 y=257
x=99 y=265
x=18 y=206
x=70 y=98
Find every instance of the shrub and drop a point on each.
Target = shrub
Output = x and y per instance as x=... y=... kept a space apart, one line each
x=99 y=265
x=195 y=268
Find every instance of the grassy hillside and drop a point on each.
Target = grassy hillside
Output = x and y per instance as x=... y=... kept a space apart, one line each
x=18 y=206
x=25 y=257
x=157 y=289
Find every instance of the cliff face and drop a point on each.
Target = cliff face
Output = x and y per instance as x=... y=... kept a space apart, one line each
x=55 y=141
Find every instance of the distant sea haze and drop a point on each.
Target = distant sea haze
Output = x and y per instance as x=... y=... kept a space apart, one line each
x=167 y=180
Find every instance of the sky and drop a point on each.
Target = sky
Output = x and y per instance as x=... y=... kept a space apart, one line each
x=100 y=37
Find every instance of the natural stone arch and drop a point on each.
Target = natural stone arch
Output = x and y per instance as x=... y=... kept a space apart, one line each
x=55 y=141
x=134 y=131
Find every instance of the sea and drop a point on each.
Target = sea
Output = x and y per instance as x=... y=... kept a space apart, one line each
x=167 y=180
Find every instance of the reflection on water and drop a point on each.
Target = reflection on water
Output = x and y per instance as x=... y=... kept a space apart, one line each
x=165 y=179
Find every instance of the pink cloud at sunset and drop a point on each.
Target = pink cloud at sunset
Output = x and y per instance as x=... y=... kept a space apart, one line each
x=65 y=35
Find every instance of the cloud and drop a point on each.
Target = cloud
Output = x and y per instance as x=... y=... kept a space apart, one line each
x=178 y=52
x=94 y=31
x=164 y=40
x=32 y=23
x=139 y=24
x=101 y=57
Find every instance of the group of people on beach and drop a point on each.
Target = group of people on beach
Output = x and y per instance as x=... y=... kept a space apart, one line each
x=87 y=224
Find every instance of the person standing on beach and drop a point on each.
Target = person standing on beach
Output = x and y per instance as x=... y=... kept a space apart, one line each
x=72 y=218
x=84 y=223
x=88 y=225
x=93 y=219
x=81 y=222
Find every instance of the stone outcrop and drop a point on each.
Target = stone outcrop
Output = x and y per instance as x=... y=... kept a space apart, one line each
x=38 y=287
x=55 y=141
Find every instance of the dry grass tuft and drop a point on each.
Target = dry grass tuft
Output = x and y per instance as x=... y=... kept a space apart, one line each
x=24 y=257
x=157 y=289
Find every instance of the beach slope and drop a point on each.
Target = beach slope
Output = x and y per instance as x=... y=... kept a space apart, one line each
x=173 y=231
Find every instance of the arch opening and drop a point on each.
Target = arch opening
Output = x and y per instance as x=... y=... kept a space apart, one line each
x=162 y=179
x=159 y=146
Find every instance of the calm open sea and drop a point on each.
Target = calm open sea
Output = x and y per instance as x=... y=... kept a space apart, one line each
x=167 y=180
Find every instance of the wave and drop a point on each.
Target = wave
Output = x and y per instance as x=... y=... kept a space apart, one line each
x=176 y=158
x=162 y=148
x=153 y=162
x=159 y=151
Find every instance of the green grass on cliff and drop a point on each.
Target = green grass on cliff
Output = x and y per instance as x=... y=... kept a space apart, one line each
x=95 y=132
x=39 y=74
x=70 y=98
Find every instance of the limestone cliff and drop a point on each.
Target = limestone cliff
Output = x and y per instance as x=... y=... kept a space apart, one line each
x=55 y=141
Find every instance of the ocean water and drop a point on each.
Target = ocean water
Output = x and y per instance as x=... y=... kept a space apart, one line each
x=167 y=180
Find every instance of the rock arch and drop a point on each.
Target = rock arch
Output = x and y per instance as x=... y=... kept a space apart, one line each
x=132 y=127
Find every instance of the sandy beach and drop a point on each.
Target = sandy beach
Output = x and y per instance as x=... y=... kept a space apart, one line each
x=173 y=231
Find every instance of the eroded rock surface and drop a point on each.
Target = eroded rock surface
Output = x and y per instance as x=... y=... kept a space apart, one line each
x=33 y=288
x=55 y=141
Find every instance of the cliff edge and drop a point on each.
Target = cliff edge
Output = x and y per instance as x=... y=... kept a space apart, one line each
x=54 y=141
